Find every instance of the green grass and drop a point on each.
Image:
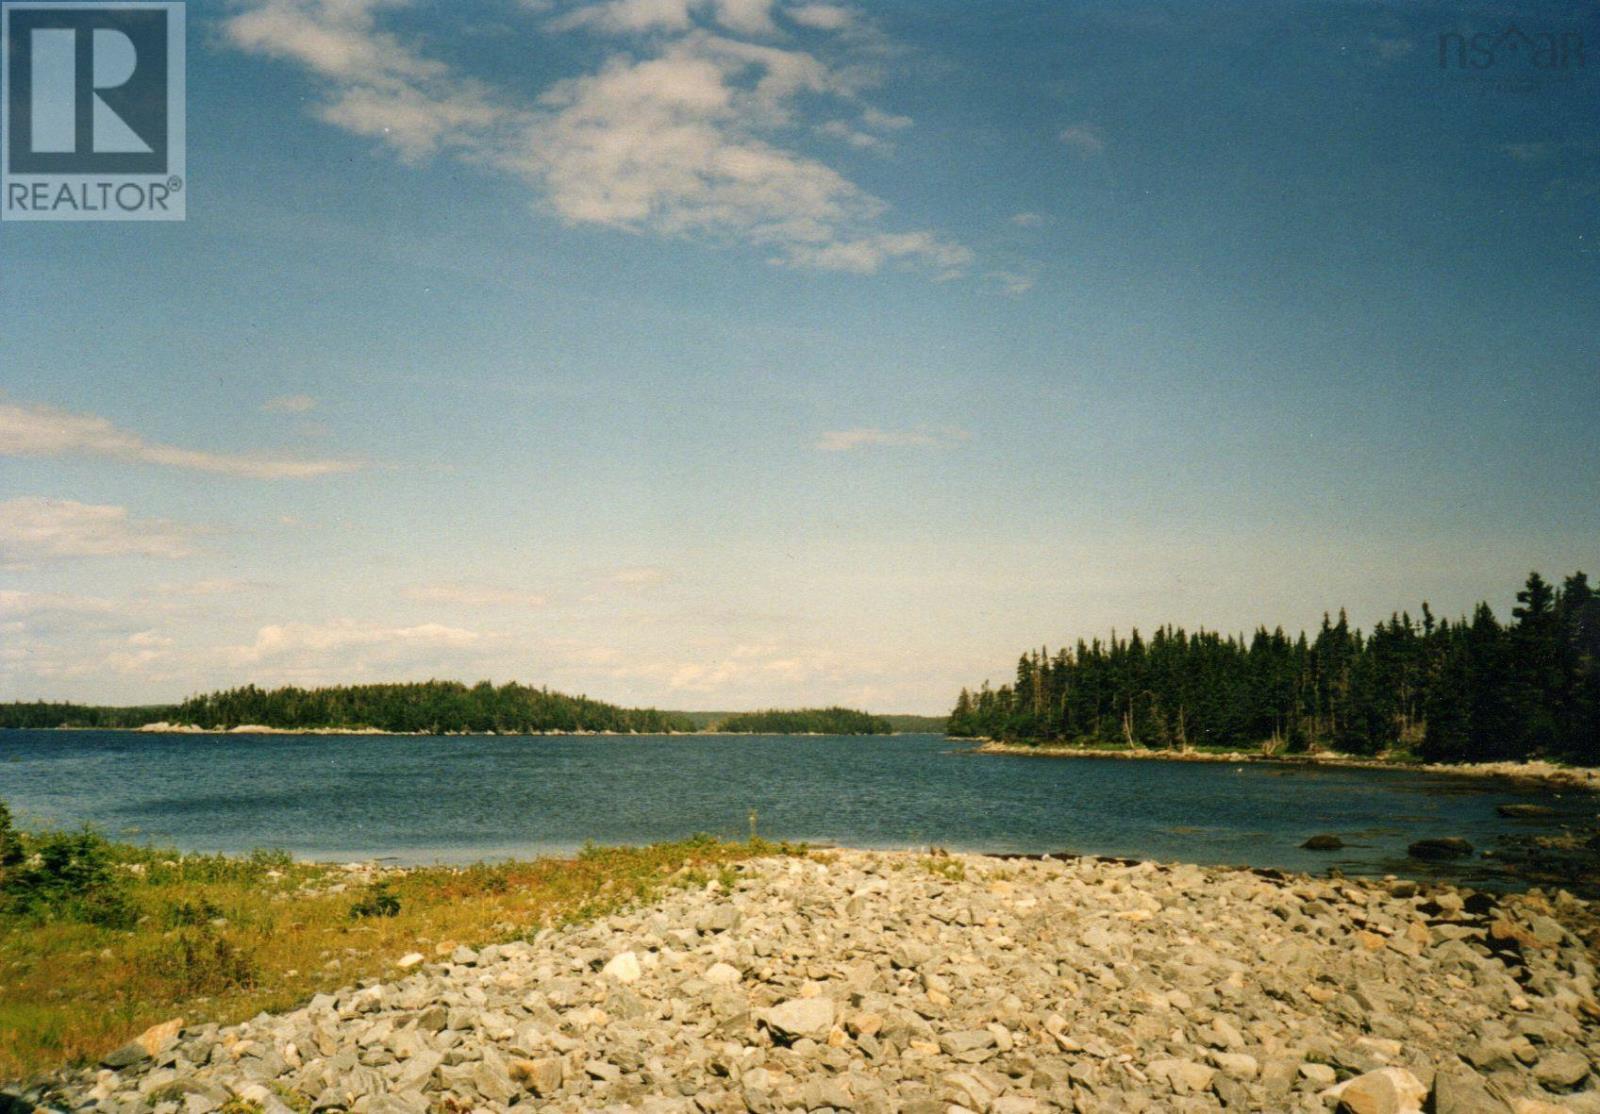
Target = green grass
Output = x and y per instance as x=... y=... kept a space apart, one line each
x=214 y=938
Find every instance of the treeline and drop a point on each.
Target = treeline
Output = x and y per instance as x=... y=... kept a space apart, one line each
x=38 y=714
x=431 y=707
x=1474 y=689
x=806 y=721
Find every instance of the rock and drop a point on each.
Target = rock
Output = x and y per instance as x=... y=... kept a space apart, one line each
x=799 y=1017
x=721 y=918
x=910 y=955
x=1524 y=810
x=1457 y=1089
x=1236 y=1065
x=409 y=960
x=1443 y=847
x=875 y=983
x=961 y=1044
x=542 y=1076
x=1561 y=1071
x=156 y=1038
x=1183 y=1076
x=1323 y=843
x=491 y=1079
x=146 y=1045
x=1385 y=1091
x=624 y=968
x=1318 y=1075
x=722 y=974
x=417 y=1072
x=126 y=1056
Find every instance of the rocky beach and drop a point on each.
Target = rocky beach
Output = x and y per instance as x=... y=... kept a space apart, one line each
x=897 y=981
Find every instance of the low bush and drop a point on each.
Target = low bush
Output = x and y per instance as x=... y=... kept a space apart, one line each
x=68 y=876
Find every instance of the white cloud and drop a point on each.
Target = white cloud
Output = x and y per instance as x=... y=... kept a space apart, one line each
x=1027 y=220
x=1011 y=282
x=885 y=120
x=35 y=528
x=289 y=404
x=149 y=639
x=822 y=17
x=211 y=586
x=628 y=17
x=682 y=137
x=18 y=605
x=380 y=87
x=638 y=577
x=472 y=595
x=845 y=440
x=866 y=254
x=746 y=17
x=862 y=134
x=33 y=430
x=299 y=640
x=764 y=674
x=1084 y=139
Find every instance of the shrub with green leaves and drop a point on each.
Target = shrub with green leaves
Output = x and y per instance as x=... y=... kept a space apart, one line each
x=69 y=876
x=379 y=902
x=203 y=961
x=10 y=842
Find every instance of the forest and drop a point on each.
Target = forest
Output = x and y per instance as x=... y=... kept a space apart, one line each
x=805 y=721
x=430 y=707
x=40 y=714
x=1474 y=689
x=437 y=707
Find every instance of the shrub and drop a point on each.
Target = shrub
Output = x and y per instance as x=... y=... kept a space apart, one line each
x=187 y=914
x=379 y=902
x=203 y=961
x=10 y=842
x=70 y=876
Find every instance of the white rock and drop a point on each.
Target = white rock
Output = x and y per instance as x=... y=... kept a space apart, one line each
x=721 y=974
x=624 y=968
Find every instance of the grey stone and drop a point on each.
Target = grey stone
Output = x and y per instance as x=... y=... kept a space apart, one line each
x=799 y=1017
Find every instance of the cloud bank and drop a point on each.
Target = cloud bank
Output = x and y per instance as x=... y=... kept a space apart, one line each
x=41 y=431
x=679 y=132
x=34 y=528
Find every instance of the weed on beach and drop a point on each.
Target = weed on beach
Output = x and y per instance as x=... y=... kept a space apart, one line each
x=100 y=940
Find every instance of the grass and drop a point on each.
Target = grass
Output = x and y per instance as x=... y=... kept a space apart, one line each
x=212 y=938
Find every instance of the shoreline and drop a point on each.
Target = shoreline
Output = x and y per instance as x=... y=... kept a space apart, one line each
x=164 y=728
x=880 y=981
x=1536 y=772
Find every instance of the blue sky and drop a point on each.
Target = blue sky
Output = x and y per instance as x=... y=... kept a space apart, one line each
x=736 y=353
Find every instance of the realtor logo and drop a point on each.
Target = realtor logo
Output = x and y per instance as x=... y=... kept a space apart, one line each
x=92 y=104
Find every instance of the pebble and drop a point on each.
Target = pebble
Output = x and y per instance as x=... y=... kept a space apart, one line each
x=874 y=983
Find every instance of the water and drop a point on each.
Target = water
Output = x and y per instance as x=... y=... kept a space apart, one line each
x=459 y=799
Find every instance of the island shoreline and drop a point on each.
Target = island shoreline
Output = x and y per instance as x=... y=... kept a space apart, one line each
x=1535 y=772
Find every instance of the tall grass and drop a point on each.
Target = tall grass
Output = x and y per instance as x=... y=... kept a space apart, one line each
x=100 y=940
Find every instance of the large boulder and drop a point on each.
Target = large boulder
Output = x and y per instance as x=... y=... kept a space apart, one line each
x=1440 y=847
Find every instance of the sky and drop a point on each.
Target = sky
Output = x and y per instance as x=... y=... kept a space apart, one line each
x=748 y=353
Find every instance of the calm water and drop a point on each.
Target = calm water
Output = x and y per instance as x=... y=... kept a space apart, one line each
x=461 y=799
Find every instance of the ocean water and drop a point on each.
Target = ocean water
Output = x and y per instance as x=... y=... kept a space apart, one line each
x=459 y=799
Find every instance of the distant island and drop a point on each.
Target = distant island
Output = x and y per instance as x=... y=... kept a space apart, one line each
x=806 y=721
x=1473 y=690
x=444 y=707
